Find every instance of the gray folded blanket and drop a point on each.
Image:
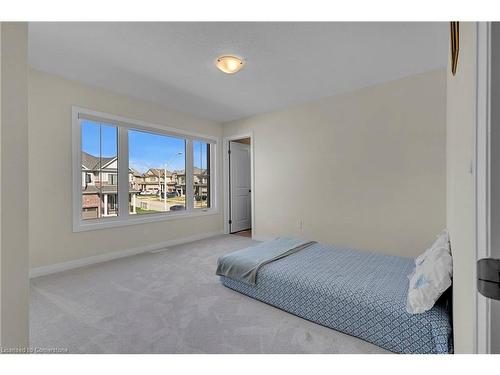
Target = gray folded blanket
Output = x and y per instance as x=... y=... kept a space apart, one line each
x=243 y=265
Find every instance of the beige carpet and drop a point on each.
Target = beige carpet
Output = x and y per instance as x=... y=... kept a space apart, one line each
x=169 y=302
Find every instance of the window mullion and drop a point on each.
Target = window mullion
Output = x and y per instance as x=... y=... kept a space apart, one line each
x=123 y=179
x=212 y=176
x=189 y=175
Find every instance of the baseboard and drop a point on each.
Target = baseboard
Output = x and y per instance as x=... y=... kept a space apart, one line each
x=77 y=263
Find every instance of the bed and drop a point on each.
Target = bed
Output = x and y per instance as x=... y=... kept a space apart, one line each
x=360 y=293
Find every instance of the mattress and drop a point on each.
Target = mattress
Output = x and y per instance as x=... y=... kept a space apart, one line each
x=360 y=293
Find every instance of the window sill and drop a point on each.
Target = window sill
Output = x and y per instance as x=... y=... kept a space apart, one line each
x=115 y=222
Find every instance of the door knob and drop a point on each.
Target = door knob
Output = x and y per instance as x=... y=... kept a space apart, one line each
x=488 y=277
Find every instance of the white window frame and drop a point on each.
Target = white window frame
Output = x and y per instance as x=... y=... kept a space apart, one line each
x=124 y=218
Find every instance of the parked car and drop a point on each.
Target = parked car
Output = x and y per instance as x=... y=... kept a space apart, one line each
x=169 y=195
x=177 y=207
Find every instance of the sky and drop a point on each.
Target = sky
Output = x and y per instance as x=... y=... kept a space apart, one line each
x=146 y=150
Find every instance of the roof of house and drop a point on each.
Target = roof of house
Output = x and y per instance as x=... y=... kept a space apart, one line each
x=94 y=162
x=199 y=171
x=135 y=172
x=158 y=172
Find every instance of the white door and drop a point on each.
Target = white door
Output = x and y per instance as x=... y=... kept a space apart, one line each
x=240 y=187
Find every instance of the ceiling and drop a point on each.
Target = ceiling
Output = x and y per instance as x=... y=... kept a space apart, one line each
x=286 y=63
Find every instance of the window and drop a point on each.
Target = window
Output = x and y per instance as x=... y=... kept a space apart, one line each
x=129 y=172
x=99 y=151
x=201 y=174
x=113 y=179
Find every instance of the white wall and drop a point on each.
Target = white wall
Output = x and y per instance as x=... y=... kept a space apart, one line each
x=461 y=99
x=51 y=236
x=364 y=169
x=14 y=286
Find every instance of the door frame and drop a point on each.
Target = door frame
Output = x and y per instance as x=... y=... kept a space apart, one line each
x=482 y=197
x=225 y=184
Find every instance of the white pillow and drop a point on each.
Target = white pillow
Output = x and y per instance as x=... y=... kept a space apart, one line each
x=432 y=276
x=442 y=240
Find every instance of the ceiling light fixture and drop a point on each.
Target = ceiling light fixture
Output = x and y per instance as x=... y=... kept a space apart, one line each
x=229 y=64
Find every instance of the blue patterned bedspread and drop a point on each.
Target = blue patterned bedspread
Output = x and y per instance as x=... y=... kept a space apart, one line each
x=359 y=293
